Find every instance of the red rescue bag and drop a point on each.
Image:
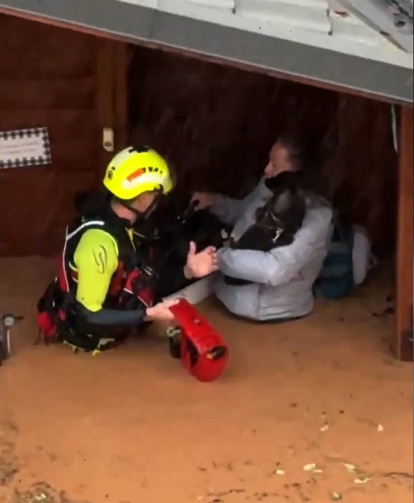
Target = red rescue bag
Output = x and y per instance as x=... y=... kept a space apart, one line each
x=203 y=351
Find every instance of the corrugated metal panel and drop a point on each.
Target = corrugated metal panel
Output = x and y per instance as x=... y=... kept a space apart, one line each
x=309 y=15
x=393 y=18
x=287 y=51
x=320 y=23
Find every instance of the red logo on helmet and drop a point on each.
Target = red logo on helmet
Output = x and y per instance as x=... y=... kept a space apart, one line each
x=136 y=174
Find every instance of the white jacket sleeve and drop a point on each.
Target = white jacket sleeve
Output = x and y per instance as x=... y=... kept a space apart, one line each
x=227 y=209
x=281 y=264
x=230 y=210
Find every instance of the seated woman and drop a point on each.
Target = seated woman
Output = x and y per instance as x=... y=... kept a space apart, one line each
x=280 y=280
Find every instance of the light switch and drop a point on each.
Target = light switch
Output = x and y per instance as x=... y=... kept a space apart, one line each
x=108 y=139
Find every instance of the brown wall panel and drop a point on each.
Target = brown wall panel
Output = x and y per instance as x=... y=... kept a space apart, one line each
x=48 y=77
x=63 y=123
x=40 y=94
x=31 y=49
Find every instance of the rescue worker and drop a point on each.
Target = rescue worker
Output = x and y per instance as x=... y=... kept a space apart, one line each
x=104 y=287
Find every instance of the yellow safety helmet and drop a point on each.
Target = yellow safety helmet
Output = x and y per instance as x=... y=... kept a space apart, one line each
x=134 y=171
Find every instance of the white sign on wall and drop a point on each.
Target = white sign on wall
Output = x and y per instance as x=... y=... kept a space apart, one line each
x=24 y=147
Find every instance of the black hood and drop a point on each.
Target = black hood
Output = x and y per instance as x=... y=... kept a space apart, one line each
x=97 y=205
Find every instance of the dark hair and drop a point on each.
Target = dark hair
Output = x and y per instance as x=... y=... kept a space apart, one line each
x=301 y=148
x=304 y=153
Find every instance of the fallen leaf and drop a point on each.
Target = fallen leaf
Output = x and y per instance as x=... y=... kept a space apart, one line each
x=362 y=480
x=351 y=468
x=310 y=467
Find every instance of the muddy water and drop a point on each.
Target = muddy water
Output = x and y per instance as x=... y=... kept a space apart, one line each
x=131 y=426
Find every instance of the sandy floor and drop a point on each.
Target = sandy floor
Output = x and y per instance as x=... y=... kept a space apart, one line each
x=131 y=426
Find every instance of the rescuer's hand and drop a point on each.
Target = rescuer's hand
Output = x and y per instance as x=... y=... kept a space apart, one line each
x=200 y=264
x=161 y=311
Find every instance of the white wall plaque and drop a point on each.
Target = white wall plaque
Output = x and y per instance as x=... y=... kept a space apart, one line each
x=24 y=147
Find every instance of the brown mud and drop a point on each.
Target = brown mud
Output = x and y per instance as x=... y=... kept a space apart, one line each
x=311 y=411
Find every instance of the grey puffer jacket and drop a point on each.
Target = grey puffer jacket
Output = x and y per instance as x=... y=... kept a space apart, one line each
x=282 y=278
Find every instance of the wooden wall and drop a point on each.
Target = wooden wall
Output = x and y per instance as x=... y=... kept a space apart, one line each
x=47 y=78
x=216 y=125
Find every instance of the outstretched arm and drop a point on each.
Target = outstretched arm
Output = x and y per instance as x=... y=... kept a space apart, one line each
x=227 y=209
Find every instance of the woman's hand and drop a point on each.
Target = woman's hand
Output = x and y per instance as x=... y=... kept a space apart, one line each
x=200 y=264
x=204 y=199
x=161 y=311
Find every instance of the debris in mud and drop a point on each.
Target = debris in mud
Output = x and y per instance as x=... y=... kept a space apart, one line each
x=300 y=493
x=264 y=495
x=42 y=492
x=403 y=475
x=362 y=479
x=7 y=471
x=380 y=427
x=218 y=496
x=325 y=426
x=335 y=496
x=278 y=470
x=350 y=467
x=312 y=467
x=226 y=493
x=360 y=476
x=309 y=467
x=8 y=461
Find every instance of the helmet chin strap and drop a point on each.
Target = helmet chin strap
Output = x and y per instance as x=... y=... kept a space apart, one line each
x=142 y=215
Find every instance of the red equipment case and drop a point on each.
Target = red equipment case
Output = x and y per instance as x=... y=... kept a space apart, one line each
x=202 y=349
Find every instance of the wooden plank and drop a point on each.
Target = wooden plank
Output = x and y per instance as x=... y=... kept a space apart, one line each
x=105 y=106
x=111 y=97
x=121 y=124
x=47 y=94
x=403 y=347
